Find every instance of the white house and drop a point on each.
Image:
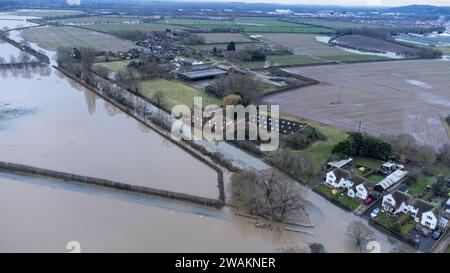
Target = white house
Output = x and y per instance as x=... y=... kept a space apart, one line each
x=357 y=186
x=390 y=167
x=422 y=212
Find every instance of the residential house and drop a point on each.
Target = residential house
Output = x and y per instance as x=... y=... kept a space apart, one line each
x=422 y=212
x=356 y=185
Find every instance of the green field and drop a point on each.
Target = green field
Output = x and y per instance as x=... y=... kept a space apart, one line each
x=51 y=38
x=333 y=24
x=282 y=60
x=176 y=92
x=115 y=66
x=111 y=28
x=320 y=151
x=346 y=58
x=247 y=24
x=239 y=46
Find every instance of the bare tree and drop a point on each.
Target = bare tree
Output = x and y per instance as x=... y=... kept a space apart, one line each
x=268 y=194
x=159 y=98
x=87 y=60
x=359 y=232
x=24 y=57
x=287 y=199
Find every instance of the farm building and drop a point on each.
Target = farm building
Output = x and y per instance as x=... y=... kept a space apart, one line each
x=200 y=72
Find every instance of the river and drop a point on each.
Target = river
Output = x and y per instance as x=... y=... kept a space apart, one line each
x=71 y=129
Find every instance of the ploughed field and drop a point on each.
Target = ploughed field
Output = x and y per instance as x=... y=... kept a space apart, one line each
x=51 y=38
x=389 y=98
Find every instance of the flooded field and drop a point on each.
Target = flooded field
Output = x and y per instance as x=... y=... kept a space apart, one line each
x=389 y=98
x=72 y=130
x=11 y=21
x=42 y=216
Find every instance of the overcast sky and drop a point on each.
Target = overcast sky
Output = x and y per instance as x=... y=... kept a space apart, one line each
x=346 y=2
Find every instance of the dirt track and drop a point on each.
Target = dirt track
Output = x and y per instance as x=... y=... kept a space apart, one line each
x=389 y=98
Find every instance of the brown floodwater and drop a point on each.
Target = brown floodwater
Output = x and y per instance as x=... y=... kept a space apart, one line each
x=40 y=215
x=73 y=130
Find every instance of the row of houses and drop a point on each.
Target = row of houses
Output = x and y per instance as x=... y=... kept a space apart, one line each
x=422 y=212
x=358 y=186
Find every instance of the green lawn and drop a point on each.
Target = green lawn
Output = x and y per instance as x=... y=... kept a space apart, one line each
x=176 y=92
x=320 y=151
x=448 y=249
x=419 y=187
x=406 y=228
x=352 y=203
x=115 y=66
x=374 y=179
x=367 y=162
x=324 y=189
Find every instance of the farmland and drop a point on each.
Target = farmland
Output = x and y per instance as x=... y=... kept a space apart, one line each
x=114 y=66
x=112 y=28
x=388 y=98
x=51 y=38
x=220 y=38
x=176 y=92
x=282 y=60
x=100 y=20
x=247 y=24
x=333 y=24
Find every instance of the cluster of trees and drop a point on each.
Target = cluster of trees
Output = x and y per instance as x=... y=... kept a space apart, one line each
x=407 y=146
x=249 y=89
x=358 y=144
x=296 y=164
x=269 y=195
x=133 y=35
x=77 y=61
x=447 y=119
x=304 y=138
x=188 y=38
x=148 y=69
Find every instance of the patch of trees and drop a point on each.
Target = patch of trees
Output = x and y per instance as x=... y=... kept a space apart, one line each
x=133 y=35
x=188 y=38
x=149 y=70
x=407 y=146
x=304 y=138
x=269 y=195
x=249 y=89
x=77 y=61
x=377 y=33
x=444 y=155
x=447 y=119
x=295 y=164
x=358 y=144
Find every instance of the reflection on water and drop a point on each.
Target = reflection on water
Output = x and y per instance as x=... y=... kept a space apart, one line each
x=75 y=131
x=40 y=216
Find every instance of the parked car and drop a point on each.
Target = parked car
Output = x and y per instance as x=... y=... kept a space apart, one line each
x=437 y=234
x=423 y=231
x=375 y=213
x=369 y=200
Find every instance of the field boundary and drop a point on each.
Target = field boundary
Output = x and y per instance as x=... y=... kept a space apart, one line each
x=18 y=168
